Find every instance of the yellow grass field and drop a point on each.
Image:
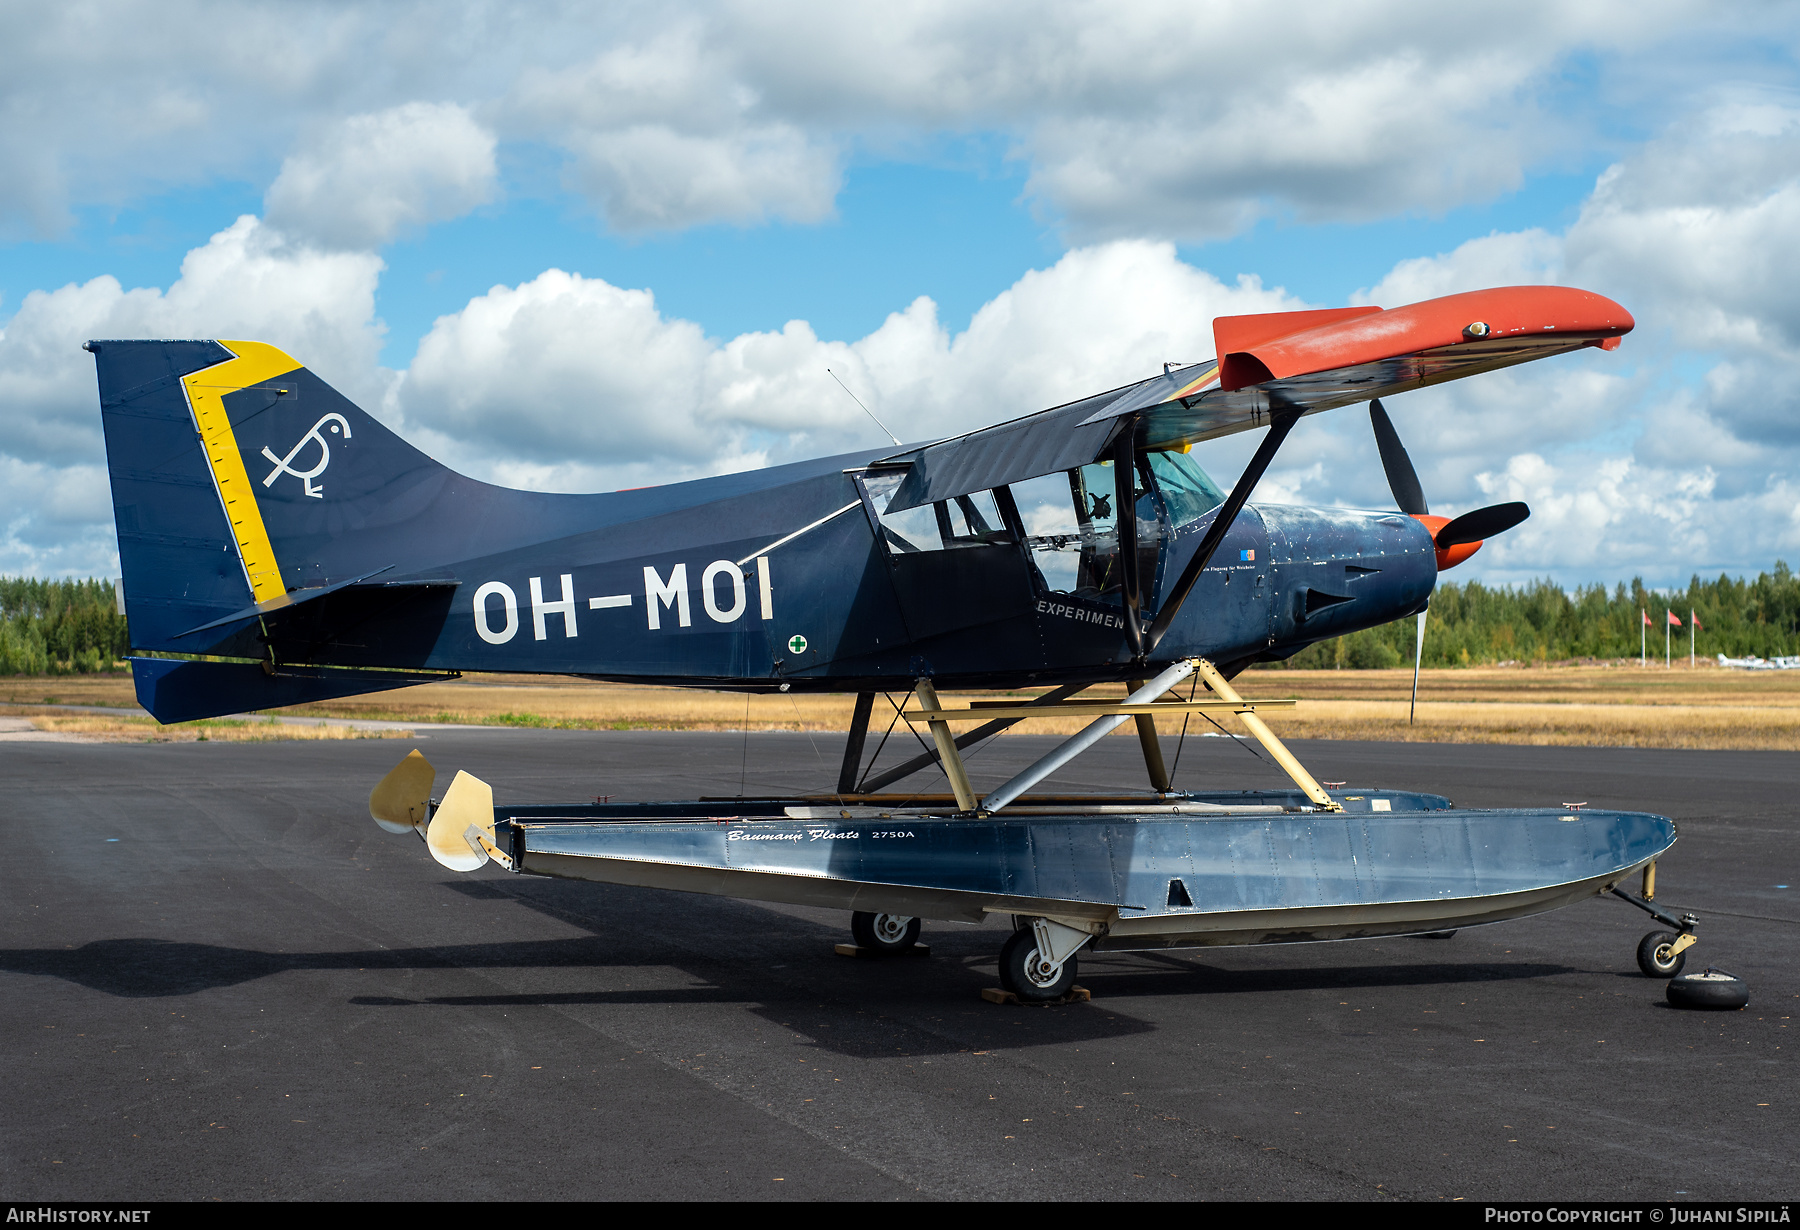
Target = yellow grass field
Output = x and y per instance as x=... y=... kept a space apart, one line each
x=108 y=728
x=1619 y=706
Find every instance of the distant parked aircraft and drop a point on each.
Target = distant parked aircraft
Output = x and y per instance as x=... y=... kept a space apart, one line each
x=1754 y=663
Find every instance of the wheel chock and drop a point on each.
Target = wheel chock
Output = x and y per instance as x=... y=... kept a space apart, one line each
x=873 y=954
x=1000 y=995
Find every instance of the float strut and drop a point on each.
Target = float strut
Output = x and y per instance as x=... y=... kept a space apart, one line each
x=924 y=760
x=1153 y=757
x=1266 y=737
x=946 y=746
x=853 y=749
x=1092 y=734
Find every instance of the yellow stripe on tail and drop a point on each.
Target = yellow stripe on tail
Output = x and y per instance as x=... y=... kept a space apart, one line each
x=255 y=362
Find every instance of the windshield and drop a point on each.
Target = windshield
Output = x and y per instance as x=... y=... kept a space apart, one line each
x=1186 y=491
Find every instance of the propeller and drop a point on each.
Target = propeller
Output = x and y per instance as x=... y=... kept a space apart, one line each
x=1456 y=540
x=1403 y=480
x=1481 y=524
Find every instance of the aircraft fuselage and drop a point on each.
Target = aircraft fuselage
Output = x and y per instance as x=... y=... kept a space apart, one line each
x=297 y=531
x=834 y=608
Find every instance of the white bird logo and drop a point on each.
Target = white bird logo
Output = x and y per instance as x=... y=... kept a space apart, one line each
x=284 y=465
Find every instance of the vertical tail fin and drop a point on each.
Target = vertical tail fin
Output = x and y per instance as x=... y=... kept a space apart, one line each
x=180 y=561
x=239 y=477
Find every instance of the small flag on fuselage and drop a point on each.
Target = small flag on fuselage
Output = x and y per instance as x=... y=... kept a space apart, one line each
x=1247 y=556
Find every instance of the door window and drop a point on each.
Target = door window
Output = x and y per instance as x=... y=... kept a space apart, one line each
x=1053 y=531
x=971 y=520
x=1071 y=524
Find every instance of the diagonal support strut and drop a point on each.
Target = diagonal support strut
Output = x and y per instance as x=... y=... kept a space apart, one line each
x=1275 y=747
x=1092 y=734
x=1279 y=426
x=925 y=760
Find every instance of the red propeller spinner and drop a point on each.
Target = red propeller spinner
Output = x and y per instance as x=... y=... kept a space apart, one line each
x=1459 y=538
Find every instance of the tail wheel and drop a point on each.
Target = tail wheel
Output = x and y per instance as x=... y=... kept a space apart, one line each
x=1024 y=972
x=1655 y=958
x=884 y=933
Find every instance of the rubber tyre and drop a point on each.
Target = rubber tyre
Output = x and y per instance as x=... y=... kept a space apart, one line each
x=883 y=933
x=1020 y=951
x=1711 y=988
x=1655 y=965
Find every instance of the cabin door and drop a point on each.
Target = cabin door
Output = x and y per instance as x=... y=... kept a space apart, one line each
x=954 y=563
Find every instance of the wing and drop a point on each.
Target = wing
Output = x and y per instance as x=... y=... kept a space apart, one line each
x=1283 y=361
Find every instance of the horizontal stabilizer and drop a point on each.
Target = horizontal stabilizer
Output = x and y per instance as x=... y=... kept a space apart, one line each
x=296 y=597
x=279 y=603
x=178 y=690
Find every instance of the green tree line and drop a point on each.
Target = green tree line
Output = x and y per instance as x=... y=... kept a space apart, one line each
x=1472 y=624
x=59 y=627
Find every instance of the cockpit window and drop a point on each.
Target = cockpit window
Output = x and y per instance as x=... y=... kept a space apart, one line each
x=1070 y=520
x=1186 y=491
x=1053 y=532
x=971 y=520
x=1071 y=523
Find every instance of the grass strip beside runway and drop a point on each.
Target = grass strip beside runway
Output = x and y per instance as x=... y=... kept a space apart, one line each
x=1621 y=705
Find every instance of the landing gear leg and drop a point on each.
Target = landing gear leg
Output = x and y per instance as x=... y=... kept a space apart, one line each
x=1661 y=954
x=886 y=934
x=1038 y=962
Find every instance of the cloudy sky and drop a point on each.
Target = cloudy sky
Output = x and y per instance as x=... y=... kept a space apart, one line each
x=583 y=247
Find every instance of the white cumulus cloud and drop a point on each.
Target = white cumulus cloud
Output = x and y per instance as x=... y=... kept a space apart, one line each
x=572 y=372
x=246 y=282
x=1673 y=451
x=1171 y=119
x=368 y=177
x=1678 y=446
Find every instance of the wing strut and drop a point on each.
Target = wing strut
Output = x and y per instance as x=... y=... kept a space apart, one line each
x=1279 y=425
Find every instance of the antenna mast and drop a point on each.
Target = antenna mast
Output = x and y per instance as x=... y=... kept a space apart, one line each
x=853 y=397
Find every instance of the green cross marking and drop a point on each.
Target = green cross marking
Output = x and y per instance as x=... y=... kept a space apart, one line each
x=796 y=644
